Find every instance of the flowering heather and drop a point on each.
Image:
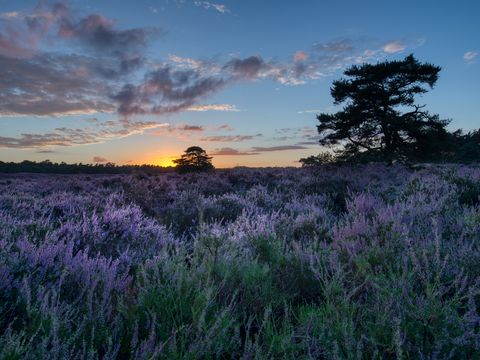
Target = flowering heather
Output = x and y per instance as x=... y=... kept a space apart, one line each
x=347 y=262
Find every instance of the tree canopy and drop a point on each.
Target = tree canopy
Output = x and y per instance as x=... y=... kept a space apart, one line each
x=194 y=159
x=380 y=118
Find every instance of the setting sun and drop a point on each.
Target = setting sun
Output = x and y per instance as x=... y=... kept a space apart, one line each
x=165 y=162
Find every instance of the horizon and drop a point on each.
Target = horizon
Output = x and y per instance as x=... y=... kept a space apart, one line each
x=138 y=83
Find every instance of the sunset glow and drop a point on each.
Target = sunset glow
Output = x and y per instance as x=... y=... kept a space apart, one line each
x=165 y=162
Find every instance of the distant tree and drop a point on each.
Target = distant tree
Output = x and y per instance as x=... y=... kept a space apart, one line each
x=193 y=160
x=380 y=118
x=466 y=146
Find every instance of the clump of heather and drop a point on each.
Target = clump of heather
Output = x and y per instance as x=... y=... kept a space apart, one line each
x=338 y=262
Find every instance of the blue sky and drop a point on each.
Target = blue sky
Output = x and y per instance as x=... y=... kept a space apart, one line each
x=138 y=82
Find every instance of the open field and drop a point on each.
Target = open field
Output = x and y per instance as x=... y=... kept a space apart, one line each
x=357 y=262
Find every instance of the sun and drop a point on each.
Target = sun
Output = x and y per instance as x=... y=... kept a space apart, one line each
x=165 y=161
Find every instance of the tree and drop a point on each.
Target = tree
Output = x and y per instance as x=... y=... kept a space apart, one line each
x=316 y=160
x=466 y=146
x=193 y=160
x=380 y=118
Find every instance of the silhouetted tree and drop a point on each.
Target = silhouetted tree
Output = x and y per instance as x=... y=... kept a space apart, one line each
x=380 y=118
x=466 y=146
x=193 y=160
x=320 y=159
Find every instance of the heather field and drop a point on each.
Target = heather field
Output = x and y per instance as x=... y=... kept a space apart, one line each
x=337 y=262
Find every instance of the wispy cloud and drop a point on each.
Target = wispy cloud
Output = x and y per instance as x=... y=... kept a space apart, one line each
x=10 y=15
x=213 y=107
x=300 y=56
x=227 y=151
x=81 y=136
x=278 y=148
x=187 y=127
x=394 y=47
x=205 y=67
x=179 y=131
x=221 y=8
x=305 y=135
x=470 y=55
x=230 y=138
x=224 y=127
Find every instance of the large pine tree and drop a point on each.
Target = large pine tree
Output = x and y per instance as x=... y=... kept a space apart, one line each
x=380 y=118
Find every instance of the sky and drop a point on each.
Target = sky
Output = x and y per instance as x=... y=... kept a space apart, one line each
x=135 y=82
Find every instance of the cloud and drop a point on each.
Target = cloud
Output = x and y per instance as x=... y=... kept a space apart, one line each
x=21 y=34
x=82 y=136
x=278 y=148
x=305 y=135
x=190 y=128
x=166 y=90
x=225 y=127
x=324 y=59
x=337 y=46
x=230 y=138
x=213 y=107
x=55 y=84
x=9 y=15
x=204 y=67
x=99 y=159
x=394 y=47
x=333 y=56
x=99 y=33
x=221 y=8
x=226 y=151
x=51 y=85
x=256 y=68
x=184 y=132
x=300 y=56
x=470 y=55
x=251 y=67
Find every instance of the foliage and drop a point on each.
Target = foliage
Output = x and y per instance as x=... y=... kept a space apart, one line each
x=350 y=262
x=466 y=147
x=380 y=116
x=320 y=159
x=195 y=159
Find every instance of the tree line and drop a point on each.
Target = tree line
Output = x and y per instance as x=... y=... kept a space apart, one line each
x=48 y=167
